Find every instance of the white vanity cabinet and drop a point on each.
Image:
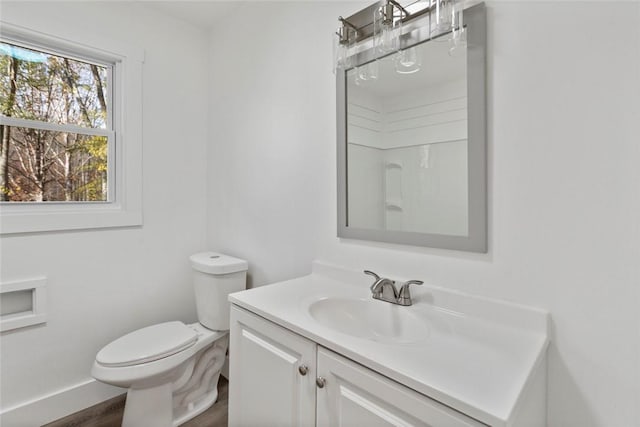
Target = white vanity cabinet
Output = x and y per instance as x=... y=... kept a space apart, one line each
x=271 y=374
x=356 y=396
x=279 y=378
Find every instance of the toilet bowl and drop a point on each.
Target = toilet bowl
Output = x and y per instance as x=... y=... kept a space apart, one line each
x=172 y=369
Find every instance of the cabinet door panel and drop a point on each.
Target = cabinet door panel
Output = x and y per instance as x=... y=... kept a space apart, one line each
x=265 y=386
x=356 y=396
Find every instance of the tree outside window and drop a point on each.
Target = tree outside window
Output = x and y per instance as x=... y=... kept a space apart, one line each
x=56 y=127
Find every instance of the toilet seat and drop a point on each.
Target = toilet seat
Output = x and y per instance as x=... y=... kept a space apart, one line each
x=147 y=345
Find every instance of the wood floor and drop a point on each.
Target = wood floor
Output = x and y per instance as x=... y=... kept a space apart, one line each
x=109 y=413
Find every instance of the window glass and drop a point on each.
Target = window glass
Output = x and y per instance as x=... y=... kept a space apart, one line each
x=56 y=127
x=56 y=166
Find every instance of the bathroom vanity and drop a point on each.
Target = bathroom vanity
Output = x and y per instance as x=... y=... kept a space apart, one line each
x=318 y=350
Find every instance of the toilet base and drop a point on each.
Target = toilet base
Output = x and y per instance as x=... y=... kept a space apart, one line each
x=148 y=407
x=197 y=408
x=174 y=403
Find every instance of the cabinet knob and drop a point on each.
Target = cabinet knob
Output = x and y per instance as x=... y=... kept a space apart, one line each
x=321 y=382
x=303 y=369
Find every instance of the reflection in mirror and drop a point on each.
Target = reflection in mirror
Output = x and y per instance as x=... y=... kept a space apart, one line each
x=407 y=142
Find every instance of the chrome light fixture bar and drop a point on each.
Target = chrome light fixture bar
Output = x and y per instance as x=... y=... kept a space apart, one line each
x=383 y=23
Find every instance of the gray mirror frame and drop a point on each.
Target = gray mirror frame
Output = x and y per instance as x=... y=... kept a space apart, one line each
x=476 y=241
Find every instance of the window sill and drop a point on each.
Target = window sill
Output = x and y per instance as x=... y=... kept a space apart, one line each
x=37 y=219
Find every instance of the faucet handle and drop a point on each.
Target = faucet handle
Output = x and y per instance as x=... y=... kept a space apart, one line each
x=404 y=296
x=371 y=273
x=375 y=276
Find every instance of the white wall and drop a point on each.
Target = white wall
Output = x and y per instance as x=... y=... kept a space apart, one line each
x=104 y=283
x=564 y=181
x=272 y=140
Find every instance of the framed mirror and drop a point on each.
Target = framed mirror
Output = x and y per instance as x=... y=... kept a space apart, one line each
x=412 y=142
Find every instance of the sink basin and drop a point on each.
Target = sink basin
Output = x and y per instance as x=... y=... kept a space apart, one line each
x=369 y=319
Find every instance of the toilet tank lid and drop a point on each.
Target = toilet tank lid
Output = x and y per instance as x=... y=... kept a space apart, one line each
x=216 y=263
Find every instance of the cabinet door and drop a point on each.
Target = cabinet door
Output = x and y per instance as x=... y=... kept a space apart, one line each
x=356 y=396
x=267 y=386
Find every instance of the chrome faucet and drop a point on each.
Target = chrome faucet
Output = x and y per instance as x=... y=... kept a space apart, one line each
x=385 y=289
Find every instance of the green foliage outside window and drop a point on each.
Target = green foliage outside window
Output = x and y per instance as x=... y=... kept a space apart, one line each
x=62 y=162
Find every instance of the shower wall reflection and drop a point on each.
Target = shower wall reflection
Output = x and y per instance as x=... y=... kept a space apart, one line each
x=407 y=146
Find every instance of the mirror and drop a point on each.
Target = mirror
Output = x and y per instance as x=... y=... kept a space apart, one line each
x=411 y=143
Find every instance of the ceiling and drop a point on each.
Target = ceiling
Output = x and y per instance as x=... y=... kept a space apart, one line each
x=204 y=14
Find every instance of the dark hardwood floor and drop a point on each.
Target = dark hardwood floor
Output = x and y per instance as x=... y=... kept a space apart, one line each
x=109 y=413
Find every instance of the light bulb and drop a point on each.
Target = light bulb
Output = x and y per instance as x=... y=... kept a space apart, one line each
x=408 y=57
x=408 y=61
x=387 y=28
x=366 y=72
x=444 y=16
x=386 y=43
x=458 y=43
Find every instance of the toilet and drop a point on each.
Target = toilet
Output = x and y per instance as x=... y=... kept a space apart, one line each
x=172 y=369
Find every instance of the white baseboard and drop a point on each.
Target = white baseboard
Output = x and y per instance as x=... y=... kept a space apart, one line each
x=59 y=404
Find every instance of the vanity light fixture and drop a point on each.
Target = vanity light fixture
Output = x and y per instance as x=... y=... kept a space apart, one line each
x=458 y=42
x=381 y=25
x=344 y=45
x=443 y=16
x=448 y=25
x=387 y=27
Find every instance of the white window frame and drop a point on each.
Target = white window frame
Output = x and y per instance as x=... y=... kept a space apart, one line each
x=123 y=207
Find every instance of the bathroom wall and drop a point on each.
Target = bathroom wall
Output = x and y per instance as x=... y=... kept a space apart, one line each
x=564 y=182
x=102 y=284
x=272 y=136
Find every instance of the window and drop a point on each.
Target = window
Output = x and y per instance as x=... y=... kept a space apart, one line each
x=67 y=160
x=56 y=127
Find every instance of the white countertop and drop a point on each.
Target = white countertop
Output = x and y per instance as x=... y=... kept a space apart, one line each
x=478 y=357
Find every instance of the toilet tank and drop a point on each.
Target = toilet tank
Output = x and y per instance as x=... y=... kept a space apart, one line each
x=215 y=276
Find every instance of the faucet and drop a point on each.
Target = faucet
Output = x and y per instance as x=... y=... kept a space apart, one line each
x=385 y=289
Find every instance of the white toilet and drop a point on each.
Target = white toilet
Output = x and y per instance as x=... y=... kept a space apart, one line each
x=172 y=369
